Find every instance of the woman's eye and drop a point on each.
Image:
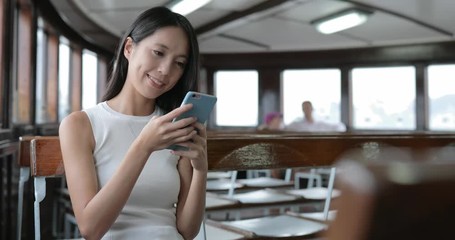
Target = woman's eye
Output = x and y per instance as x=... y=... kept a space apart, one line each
x=181 y=64
x=158 y=53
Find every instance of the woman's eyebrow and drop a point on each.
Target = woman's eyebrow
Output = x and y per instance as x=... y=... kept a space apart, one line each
x=167 y=48
x=162 y=45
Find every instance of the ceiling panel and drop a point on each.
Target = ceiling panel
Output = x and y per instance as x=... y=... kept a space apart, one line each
x=84 y=24
x=382 y=28
x=314 y=9
x=220 y=44
x=232 y=5
x=205 y=15
x=108 y=5
x=116 y=22
x=440 y=13
x=284 y=27
x=288 y=35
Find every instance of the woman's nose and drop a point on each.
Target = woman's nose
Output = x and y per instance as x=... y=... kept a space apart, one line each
x=164 y=68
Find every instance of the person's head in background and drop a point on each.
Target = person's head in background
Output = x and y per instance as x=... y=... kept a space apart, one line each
x=274 y=121
x=307 y=109
x=152 y=23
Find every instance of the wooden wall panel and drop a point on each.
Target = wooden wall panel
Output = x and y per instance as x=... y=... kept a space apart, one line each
x=52 y=78
x=24 y=67
x=102 y=77
x=76 y=79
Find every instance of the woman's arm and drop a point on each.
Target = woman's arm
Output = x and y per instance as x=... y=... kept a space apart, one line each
x=193 y=180
x=95 y=210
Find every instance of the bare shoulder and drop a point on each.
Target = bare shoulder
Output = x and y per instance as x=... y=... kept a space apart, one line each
x=76 y=126
x=75 y=121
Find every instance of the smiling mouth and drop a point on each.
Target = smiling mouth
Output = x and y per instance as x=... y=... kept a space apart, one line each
x=155 y=82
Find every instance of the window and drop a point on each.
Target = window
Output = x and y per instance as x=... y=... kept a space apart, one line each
x=384 y=98
x=237 y=93
x=47 y=53
x=89 y=79
x=41 y=49
x=441 y=95
x=64 y=107
x=320 y=86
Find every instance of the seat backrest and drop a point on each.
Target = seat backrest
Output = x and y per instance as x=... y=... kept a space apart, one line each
x=24 y=151
x=46 y=157
x=395 y=200
x=45 y=161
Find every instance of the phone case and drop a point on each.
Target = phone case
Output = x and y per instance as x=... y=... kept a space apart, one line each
x=202 y=107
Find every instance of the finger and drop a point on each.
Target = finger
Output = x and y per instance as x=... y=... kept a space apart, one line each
x=201 y=129
x=198 y=143
x=183 y=137
x=201 y=137
x=190 y=152
x=177 y=112
x=195 y=144
x=185 y=122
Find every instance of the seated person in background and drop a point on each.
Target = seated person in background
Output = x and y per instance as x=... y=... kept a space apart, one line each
x=273 y=121
x=309 y=124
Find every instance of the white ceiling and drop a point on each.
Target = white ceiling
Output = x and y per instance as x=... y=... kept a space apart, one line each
x=282 y=27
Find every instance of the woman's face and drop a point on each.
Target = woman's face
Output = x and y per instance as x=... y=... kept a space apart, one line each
x=156 y=63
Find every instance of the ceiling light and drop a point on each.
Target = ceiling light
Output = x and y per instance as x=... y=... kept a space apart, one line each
x=341 y=21
x=185 y=7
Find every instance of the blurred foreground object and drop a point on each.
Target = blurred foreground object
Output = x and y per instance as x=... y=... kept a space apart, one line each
x=395 y=200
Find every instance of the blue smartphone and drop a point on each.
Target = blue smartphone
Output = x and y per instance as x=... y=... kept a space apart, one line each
x=202 y=108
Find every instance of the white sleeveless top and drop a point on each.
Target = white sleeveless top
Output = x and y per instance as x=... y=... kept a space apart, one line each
x=149 y=212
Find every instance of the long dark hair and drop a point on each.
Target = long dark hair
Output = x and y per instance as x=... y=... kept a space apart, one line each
x=146 y=24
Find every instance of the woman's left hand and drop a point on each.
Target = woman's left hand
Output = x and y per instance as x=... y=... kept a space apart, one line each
x=197 y=148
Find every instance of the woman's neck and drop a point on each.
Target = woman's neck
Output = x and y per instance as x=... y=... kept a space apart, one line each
x=132 y=105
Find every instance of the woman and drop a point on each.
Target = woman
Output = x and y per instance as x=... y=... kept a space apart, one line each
x=123 y=182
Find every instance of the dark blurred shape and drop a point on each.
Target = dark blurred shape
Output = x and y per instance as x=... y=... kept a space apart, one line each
x=395 y=200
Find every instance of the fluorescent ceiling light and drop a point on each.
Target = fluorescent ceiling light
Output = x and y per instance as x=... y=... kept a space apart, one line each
x=185 y=7
x=341 y=21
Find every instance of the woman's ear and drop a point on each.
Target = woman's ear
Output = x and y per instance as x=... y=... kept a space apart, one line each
x=128 y=49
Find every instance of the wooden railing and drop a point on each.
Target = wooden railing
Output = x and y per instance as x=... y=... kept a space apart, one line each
x=236 y=151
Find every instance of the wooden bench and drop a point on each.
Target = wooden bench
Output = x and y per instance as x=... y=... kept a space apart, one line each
x=45 y=161
x=234 y=151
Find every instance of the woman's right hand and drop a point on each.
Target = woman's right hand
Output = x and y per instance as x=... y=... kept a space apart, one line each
x=161 y=132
